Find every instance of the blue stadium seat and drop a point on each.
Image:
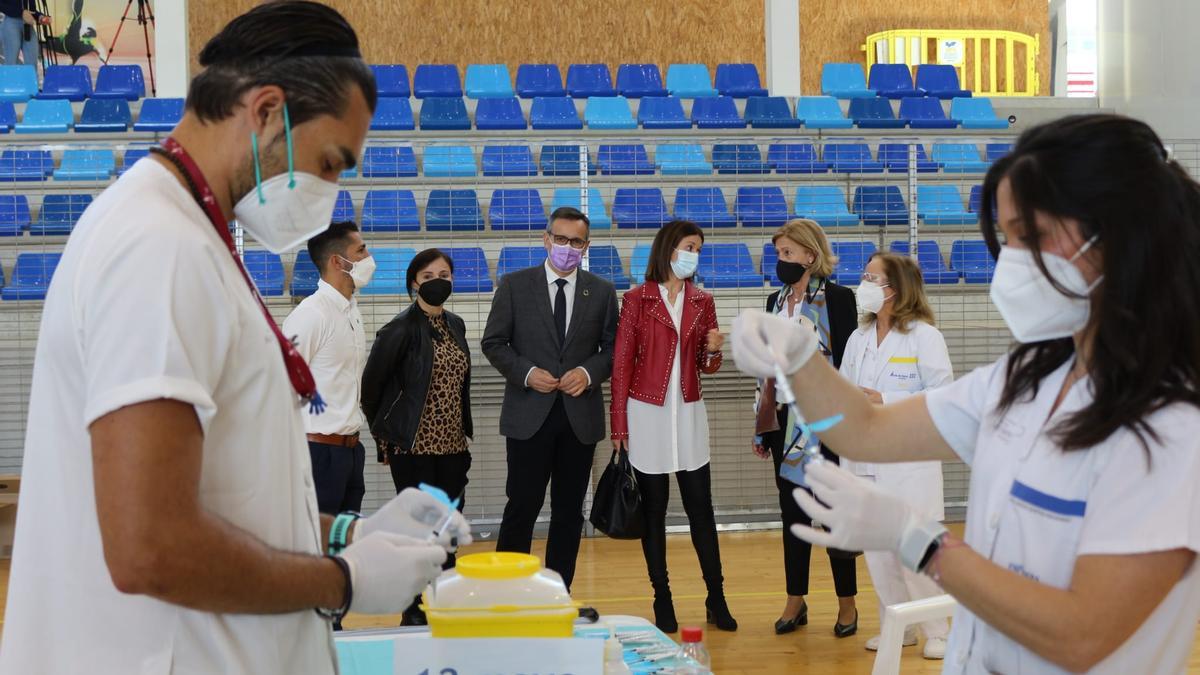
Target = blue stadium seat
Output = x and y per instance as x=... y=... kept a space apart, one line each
x=770 y=112
x=471 y=274
x=973 y=260
x=608 y=112
x=131 y=155
x=305 y=274
x=635 y=80
x=925 y=113
x=391 y=80
x=624 y=160
x=639 y=260
x=104 y=116
x=585 y=80
x=675 y=159
x=739 y=158
x=639 y=208
x=563 y=160
x=845 y=80
x=266 y=269
x=976 y=113
x=539 y=79
x=826 y=204
x=71 y=83
x=25 y=165
x=875 y=113
x=18 y=84
x=389 y=161
x=393 y=114
x=437 y=80
x=880 y=205
x=390 y=211
x=959 y=158
x=761 y=206
x=994 y=151
x=895 y=158
x=31 y=276
x=86 y=165
x=58 y=214
x=8 y=116
x=852 y=261
x=940 y=81
x=662 y=112
x=596 y=212
x=53 y=116
x=123 y=82
x=508 y=160
x=689 y=80
x=929 y=258
x=517 y=209
x=975 y=199
x=444 y=113
x=704 y=206
x=718 y=112
x=893 y=80
x=942 y=205
x=795 y=158
x=821 y=112
x=446 y=161
x=554 y=113
x=739 y=80
x=14 y=215
x=517 y=258
x=453 y=210
x=604 y=261
x=391 y=268
x=766 y=264
x=493 y=114
x=727 y=266
x=851 y=158
x=159 y=114
x=343 y=208
x=489 y=81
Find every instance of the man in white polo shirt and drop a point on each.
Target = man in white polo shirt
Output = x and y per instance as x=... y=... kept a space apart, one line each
x=168 y=522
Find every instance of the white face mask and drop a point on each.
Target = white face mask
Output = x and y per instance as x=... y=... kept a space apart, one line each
x=870 y=297
x=1032 y=307
x=361 y=271
x=685 y=263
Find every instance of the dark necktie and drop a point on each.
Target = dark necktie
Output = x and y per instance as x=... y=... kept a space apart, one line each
x=560 y=310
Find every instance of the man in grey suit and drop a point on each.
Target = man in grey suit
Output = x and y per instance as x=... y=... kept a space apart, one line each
x=550 y=334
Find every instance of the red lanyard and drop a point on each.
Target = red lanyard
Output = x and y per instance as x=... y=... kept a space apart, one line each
x=297 y=369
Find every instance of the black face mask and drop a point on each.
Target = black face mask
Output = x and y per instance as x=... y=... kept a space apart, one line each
x=435 y=291
x=789 y=272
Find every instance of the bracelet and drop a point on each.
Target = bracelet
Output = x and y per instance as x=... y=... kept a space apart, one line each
x=339 y=532
x=348 y=597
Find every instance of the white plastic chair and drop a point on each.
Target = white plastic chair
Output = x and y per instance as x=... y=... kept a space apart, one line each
x=896 y=619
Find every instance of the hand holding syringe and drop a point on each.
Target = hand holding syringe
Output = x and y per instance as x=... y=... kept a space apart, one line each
x=804 y=430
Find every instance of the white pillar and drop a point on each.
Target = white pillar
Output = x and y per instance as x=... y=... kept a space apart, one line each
x=171 y=54
x=782 y=31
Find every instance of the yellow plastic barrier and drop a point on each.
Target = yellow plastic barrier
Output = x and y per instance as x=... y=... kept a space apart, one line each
x=986 y=60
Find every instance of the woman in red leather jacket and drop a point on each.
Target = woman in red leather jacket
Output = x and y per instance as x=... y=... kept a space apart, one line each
x=658 y=413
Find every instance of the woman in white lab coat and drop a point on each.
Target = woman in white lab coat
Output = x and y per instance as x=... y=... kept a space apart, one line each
x=1083 y=518
x=896 y=353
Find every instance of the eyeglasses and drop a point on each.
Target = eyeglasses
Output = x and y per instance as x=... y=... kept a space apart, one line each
x=874 y=278
x=575 y=242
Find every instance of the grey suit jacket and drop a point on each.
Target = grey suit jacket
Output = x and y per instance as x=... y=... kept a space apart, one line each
x=520 y=335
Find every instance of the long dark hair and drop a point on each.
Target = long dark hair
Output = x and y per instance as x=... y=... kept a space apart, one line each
x=1114 y=176
x=659 y=266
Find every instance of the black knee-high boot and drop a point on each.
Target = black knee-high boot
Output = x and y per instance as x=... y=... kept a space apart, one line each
x=654 y=547
x=696 y=491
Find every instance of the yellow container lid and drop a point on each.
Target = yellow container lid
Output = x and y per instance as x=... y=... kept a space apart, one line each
x=498 y=565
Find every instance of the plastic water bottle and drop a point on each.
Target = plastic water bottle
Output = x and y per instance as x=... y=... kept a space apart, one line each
x=693 y=658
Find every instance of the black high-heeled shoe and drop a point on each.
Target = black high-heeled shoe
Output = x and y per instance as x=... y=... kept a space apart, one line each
x=718 y=613
x=784 y=626
x=846 y=630
x=664 y=614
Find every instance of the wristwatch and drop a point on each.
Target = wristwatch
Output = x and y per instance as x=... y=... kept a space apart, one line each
x=920 y=543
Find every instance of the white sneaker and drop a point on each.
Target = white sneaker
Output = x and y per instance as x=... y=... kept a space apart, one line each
x=935 y=648
x=910 y=639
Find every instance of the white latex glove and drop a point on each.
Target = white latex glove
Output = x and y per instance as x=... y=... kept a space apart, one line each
x=388 y=570
x=416 y=514
x=760 y=340
x=861 y=517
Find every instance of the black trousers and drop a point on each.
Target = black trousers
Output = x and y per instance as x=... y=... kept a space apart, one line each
x=797 y=553
x=553 y=456
x=695 y=489
x=338 y=476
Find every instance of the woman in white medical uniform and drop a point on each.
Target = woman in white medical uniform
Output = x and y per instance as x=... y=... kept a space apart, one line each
x=896 y=353
x=1083 y=519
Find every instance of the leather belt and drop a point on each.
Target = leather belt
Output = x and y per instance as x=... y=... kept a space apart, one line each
x=335 y=439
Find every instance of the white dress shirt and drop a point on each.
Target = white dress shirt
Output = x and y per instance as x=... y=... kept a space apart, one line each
x=328 y=331
x=568 y=290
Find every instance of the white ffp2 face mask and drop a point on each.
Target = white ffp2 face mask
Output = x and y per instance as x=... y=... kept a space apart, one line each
x=870 y=297
x=1032 y=307
x=361 y=271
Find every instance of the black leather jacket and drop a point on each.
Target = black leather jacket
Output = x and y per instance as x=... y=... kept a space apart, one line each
x=396 y=379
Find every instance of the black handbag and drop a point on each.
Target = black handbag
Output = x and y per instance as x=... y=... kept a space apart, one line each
x=617 y=505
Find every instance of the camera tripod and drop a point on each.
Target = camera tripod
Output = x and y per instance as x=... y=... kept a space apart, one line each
x=145 y=19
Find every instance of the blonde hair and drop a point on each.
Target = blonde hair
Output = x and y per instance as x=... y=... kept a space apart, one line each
x=808 y=233
x=906 y=281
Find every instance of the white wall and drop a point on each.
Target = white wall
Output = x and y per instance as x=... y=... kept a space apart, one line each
x=171 y=48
